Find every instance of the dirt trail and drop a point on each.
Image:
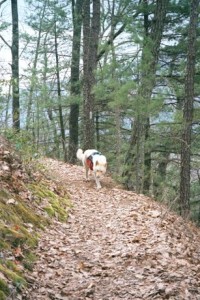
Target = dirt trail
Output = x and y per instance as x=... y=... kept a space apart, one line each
x=115 y=245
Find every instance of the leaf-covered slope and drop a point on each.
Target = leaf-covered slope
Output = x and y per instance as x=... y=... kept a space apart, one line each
x=28 y=202
x=115 y=245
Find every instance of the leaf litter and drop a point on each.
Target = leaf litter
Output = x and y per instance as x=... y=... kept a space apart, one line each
x=116 y=244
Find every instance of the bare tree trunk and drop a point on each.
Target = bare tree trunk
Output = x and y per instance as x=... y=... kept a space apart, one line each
x=147 y=159
x=117 y=110
x=147 y=151
x=160 y=176
x=91 y=28
x=8 y=103
x=75 y=84
x=97 y=129
x=88 y=105
x=15 y=66
x=184 y=201
x=62 y=127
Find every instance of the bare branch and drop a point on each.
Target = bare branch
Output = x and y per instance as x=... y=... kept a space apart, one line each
x=116 y=34
x=5 y=40
x=2 y=2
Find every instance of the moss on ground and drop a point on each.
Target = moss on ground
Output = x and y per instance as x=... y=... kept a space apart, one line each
x=52 y=203
x=4 y=288
x=2 y=295
x=21 y=222
x=16 y=279
x=18 y=212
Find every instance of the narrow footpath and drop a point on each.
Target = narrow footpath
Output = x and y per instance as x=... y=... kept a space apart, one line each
x=115 y=245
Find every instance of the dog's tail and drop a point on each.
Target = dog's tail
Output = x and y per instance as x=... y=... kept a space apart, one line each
x=79 y=154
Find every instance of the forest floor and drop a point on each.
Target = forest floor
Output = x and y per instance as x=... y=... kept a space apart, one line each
x=115 y=245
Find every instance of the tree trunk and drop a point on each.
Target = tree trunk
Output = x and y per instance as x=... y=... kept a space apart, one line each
x=97 y=129
x=62 y=127
x=15 y=67
x=160 y=176
x=184 y=201
x=147 y=159
x=147 y=151
x=91 y=28
x=75 y=84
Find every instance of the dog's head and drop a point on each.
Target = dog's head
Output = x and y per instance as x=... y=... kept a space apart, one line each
x=100 y=168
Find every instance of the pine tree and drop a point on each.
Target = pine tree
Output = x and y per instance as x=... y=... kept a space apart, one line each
x=149 y=60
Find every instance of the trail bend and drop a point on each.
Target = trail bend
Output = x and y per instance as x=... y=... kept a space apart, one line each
x=115 y=245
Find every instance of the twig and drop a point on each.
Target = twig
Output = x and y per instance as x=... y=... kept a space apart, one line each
x=5 y=40
x=2 y=2
x=168 y=209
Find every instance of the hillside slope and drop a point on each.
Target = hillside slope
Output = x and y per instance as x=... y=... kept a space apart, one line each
x=115 y=245
x=29 y=201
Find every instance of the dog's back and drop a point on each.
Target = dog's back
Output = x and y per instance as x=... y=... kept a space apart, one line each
x=84 y=155
x=89 y=152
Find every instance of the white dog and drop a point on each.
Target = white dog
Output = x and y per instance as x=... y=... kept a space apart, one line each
x=94 y=161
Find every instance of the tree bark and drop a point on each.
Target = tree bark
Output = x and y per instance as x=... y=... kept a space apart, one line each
x=75 y=84
x=147 y=151
x=62 y=127
x=184 y=201
x=91 y=28
x=15 y=67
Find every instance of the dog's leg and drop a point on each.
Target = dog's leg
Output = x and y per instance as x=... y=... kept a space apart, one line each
x=97 y=181
x=86 y=174
x=86 y=169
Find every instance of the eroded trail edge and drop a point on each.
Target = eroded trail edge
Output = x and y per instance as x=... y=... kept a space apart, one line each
x=115 y=245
